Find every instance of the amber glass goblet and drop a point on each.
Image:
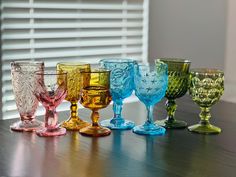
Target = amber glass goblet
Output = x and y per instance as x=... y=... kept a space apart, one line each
x=51 y=91
x=95 y=96
x=206 y=88
x=178 y=83
x=73 y=92
x=24 y=84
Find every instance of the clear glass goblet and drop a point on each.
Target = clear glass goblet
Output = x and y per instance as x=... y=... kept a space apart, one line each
x=206 y=88
x=95 y=96
x=73 y=92
x=178 y=84
x=122 y=86
x=150 y=88
x=51 y=91
x=24 y=84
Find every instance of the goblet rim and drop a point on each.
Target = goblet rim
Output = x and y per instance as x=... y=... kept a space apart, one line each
x=99 y=70
x=149 y=66
x=28 y=62
x=51 y=72
x=117 y=60
x=206 y=71
x=173 y=60
x=73 y=63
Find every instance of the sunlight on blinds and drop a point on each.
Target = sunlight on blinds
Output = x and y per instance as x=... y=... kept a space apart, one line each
x=72 y=30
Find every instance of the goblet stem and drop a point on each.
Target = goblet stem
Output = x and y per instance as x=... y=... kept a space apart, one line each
x=149 y=128
x=171 y=107
x=51 y=119
x=51 y=124
x=74 y=110
x=117 y=108
x=95 y=129
x=171 y=122
x=205 y=115
x=95 y=117
x=149 y=114
x=74 y=122
x=118 y=122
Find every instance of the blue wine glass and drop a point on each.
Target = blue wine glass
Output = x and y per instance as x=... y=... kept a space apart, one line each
x=150 y=87
x=122 y=86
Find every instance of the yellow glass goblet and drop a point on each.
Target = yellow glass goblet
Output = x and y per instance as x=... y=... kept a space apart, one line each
x=74 y=92
x=95 y=96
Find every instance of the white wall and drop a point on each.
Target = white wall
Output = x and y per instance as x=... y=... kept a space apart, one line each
x=230 y=53
x=193 y=29
x=202 y=30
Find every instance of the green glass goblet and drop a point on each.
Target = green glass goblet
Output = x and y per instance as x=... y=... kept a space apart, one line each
x=206 y=88
x=178 y=83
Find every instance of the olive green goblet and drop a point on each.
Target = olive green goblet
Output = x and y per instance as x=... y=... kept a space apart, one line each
x=206 y=88
x=178 y=82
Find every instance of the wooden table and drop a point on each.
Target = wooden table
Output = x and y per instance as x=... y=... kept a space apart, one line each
x=123 y=153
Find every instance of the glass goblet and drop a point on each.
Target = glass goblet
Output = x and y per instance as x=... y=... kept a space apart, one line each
x=206 y=88
x=178 y=83
x=51 y=91
x=23 y=82
x=150 y=88
x=73 y=92
x=95 y=96
x=122 y=86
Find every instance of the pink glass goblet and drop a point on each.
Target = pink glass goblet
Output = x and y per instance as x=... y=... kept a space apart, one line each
x=24 y=85
x=51 y=90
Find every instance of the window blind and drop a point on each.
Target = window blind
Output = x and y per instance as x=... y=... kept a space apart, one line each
x=71 y=30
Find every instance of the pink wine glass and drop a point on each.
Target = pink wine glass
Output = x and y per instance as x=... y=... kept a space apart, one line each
x=51 y=90
x=24 y=84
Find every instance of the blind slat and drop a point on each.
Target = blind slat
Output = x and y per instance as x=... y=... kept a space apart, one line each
x=81 y=34
x=58 y=5
x=74 y=52
x=91 y=43
x=72 y=16
x=71 y=25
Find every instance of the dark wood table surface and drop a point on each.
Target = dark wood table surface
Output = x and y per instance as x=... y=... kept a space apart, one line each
x=178 y=153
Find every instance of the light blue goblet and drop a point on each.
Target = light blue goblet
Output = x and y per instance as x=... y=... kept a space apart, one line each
x=150 y=88
x=121 y=87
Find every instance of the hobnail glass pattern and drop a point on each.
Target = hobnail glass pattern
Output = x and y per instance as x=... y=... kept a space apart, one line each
x=206 y=88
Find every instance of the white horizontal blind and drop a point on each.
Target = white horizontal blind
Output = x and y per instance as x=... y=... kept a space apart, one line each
x=71 y=30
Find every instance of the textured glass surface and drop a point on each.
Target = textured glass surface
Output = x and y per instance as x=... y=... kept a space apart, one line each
x=73 y=93
x=178 y=83
x=23 y=82
x=150 y=88
x=95 y=96
x=51 y=91
x=122 y=86
x=206 y=88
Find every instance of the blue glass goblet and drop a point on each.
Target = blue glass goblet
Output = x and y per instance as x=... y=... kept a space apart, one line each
x=122 y=86
x=150 y=88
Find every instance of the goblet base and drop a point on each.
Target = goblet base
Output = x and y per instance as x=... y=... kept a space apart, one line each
x=44 y=132
x=118 y=125
x=95 y=131
x=26 y=126
x=175 y=124
x=74 y=124
x=204 y=129
x=149 y=129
